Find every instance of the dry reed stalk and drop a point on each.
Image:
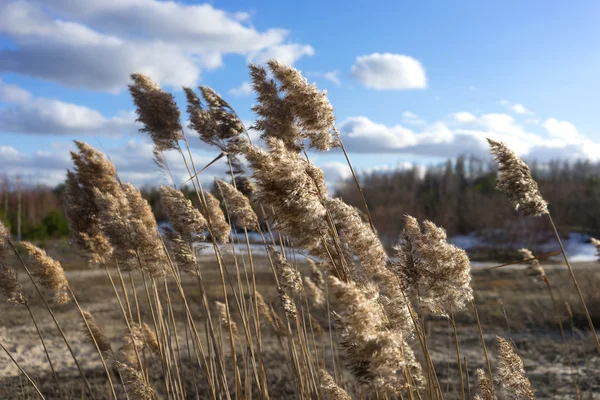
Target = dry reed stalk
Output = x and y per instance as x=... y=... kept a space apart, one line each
x=39 y=292
x=29 y=380
x=514 y=178
x=538 y=272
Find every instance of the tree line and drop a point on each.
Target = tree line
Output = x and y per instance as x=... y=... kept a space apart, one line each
x=460 y=195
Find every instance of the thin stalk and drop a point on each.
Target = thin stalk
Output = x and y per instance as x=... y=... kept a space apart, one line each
x=485 y=353
x=62 y=333
x=459 y=363
x=22 y=371
x=44 y=346
x=587 y=313
x=112 y=386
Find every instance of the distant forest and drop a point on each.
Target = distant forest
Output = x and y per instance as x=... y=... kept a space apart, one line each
x=459 y=195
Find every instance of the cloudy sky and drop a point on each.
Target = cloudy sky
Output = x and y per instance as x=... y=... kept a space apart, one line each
x=411 y=82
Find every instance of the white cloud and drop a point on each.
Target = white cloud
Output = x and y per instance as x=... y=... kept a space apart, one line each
x=361 y=135
x=516 y=108
x=389 y=71
x=134 y=162
x=333 y=76
x=412 y=118
x=243 y=90
x=464 y=117
x=96 y=44
x=561 y=129
x=519 y=109
x=28 y=114
x=284 y=53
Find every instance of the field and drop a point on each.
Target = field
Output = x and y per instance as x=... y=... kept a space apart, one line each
x=510 y=304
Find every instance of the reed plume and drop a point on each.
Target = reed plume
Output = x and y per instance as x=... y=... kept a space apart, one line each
x=287 y=304
x=9 y=279
x=289 y=277
x=486 y=388
x=157 y=111
x=135 y=386
x=377 y=356
x=183 y=216
x=514 y=179
x=91 y=172
x=182 y=251
x=267 y=314
x=317 y=296
x=596 y=244
x=238 y=206
x=534 y=268
x=511 y=372
x=9 y=284
x=95 y=333
x=217 y=124
x=291 y=109
x=49 y=272
x=435 y=269
x=330 y=390
x=218 y=224
x=292 y=187
x=226 y=322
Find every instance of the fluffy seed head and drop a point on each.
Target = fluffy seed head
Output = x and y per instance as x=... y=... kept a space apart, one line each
x=238 y=206
x=92 y=173
x=514 y=179
x=213 y=213
x=49 y=272
x=96 y=334
x=217 y=124
x=331 y=391
x=287 y=304
x=289 y=277
x=440 y=272
x=534 y=267
x=157 y=111
x=183 y=253
x=268 y=314
x=511 y=372
x=596 y=244
x=316 y=295
x=9 y=284
x=226 y=321
x=310 y=107
x=292 y=188
x=486 y=387
x=136 y=387
x=185 y=218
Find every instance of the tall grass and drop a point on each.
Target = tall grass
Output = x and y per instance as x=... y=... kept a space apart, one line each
x=356 y=327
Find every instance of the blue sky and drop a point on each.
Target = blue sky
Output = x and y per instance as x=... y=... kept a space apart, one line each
x=411 y=82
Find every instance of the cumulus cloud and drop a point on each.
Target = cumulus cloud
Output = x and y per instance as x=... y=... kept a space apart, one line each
x=333 y=76
x=463 y=117
x=285 y=53
x=26 y=113
x=96 y=44
x=412 y=118
x=134 y=162
x=516 y=108
x=468 y=136
x=389 y=71
x=243 y=90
